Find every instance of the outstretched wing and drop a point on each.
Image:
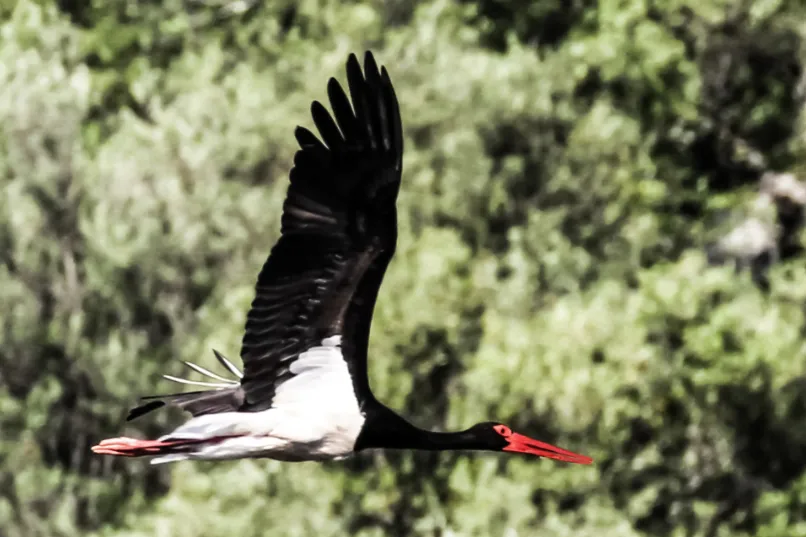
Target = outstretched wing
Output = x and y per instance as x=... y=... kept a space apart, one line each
x=338 y=233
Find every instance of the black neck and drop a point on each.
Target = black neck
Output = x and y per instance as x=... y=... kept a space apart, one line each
x=385 y=429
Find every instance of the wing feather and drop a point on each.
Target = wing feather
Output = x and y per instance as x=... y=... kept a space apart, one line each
x=337 y=235
x=338 y=226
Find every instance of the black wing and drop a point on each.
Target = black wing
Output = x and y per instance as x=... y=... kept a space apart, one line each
x=338 y=233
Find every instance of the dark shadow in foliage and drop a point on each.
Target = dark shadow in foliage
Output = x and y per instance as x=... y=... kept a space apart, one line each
x=71 y=427
x=79 y=11
x=516 y=139
x=545 y=23
x=142 y=34
x=397 y=12
x=769 y=430
x=742 y=68
x=538 y=143
x=77 y=416
x=791 y=218
x=770 y=445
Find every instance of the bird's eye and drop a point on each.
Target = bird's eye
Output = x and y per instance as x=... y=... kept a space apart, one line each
x=503 y=430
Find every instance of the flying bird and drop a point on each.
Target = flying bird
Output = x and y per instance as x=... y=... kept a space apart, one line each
x=304 y=393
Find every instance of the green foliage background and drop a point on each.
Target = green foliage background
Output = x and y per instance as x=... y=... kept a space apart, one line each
x=564 y=164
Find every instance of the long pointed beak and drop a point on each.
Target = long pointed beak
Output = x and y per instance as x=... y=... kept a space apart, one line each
x=519 y=443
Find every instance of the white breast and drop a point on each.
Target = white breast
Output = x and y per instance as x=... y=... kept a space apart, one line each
x=317 y=408
x=314 y=416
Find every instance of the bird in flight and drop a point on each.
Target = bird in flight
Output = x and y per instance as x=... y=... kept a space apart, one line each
x=304 y=393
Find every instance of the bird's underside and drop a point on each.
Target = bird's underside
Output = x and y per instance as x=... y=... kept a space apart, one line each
x=311 y=419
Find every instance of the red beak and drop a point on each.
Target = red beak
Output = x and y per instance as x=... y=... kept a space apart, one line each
x=523 y=444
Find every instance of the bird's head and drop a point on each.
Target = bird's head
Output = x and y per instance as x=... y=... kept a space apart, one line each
x=499 y=437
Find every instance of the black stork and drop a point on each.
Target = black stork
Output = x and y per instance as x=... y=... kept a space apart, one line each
x=304 y=392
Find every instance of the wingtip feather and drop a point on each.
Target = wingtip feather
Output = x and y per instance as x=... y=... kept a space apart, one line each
x=229 y=365
x=369 y=58
x=144 y=409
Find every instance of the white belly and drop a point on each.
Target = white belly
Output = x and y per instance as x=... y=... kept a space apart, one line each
x=286 y=437
x=314 y=416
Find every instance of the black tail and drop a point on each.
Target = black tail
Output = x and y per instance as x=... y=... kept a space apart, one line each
x=228 y=396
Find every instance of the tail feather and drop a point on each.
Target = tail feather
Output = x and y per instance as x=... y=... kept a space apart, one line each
x=197 y=382
x=175 y=457
x=209 y=373
x=225 y=382
x=229 y=365
x=226 y=397
x=197 y=403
